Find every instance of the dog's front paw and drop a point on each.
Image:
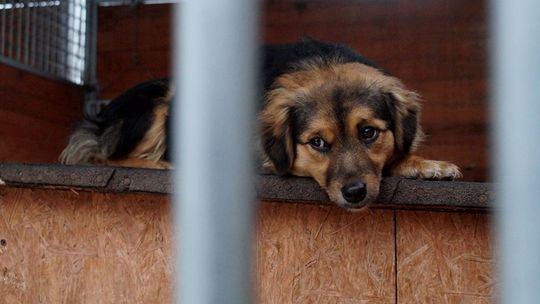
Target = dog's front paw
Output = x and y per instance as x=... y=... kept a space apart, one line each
x=417 y=167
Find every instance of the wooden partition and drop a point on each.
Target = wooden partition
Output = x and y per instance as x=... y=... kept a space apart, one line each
x=74 y=238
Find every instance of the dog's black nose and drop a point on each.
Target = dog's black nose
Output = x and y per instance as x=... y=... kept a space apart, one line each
x=354 y=192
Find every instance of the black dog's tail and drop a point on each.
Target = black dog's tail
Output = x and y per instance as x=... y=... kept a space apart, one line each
x=90 y=144
x=136 y=118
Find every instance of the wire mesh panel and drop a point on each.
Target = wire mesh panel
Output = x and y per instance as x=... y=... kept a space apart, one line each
x=46 y=37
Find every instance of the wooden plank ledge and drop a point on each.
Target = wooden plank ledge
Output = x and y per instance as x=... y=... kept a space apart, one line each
x=396 y=192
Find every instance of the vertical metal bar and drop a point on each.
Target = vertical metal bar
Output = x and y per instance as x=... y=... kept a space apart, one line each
x=54 y=41
x=34 y=33
x=214 y=206
x=91 y=43
x=11 y=38
x=27 y=10
x=81 y=43
x=41 y=41
x=72 y=40
x=76 y=41
x=57 y=42
x=69 y=40
x=65 y=44
x=19 y=11
x=515 y=88
x=43 y=37
x=62 y=39
x=3 y=37
x=48 y=39
x=90 y=81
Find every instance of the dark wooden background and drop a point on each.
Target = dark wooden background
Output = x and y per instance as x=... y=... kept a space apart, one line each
x=36 y=116
x=438 y=48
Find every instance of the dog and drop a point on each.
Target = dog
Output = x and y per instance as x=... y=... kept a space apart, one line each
x=328 y=113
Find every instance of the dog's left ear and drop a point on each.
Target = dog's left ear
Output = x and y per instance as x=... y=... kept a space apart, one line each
x=277 y=134
x=405 y=108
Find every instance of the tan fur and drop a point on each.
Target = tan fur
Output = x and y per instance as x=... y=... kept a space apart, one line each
x=153 y=146
x=273 y=120
x=417 y=167
x=321 y=126
x=310 y=163
x=275 y=114
x=359 y=115
x=382 y=150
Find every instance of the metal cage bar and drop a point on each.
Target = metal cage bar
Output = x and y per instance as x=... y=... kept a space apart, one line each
x=515 y=88
x=215 y=201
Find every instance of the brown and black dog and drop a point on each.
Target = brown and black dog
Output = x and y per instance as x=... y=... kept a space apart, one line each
x=328 y=113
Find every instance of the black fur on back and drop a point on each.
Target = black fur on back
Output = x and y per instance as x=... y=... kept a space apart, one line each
x=282 y=58
x=134 y=108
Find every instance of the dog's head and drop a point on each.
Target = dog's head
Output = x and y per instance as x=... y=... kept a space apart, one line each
x=341 y=124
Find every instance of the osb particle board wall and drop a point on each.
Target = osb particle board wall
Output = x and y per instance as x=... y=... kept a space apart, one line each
x=63 y=246
x=437 y=48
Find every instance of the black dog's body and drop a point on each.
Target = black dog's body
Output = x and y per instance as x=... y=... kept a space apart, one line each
x=328 y=113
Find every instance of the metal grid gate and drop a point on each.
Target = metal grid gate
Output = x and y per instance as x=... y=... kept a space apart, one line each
x=51 y=38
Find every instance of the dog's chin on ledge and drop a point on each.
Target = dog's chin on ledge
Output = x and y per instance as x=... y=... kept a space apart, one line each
x=356 y=207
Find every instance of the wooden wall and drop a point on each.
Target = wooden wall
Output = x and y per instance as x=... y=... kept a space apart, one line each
x=36 y=116
x=437 y=48
x=61 y=246
x=69 y=247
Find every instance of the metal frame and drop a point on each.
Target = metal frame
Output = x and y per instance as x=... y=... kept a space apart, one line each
x=134 y=2
x=50 y=38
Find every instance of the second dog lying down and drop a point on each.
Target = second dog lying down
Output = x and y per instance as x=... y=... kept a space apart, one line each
x=328 y=113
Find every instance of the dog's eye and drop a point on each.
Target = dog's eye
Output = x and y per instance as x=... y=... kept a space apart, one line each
x=319 y=144
x=368 y=134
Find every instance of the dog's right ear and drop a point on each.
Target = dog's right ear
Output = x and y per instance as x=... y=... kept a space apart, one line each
x=405 y=109
x=276 y=129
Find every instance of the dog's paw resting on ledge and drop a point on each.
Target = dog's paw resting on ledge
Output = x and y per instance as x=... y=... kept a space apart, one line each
x=414 y=166
x=328 y=113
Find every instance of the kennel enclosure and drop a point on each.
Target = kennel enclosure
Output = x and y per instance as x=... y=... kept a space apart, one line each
x=86 y=234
